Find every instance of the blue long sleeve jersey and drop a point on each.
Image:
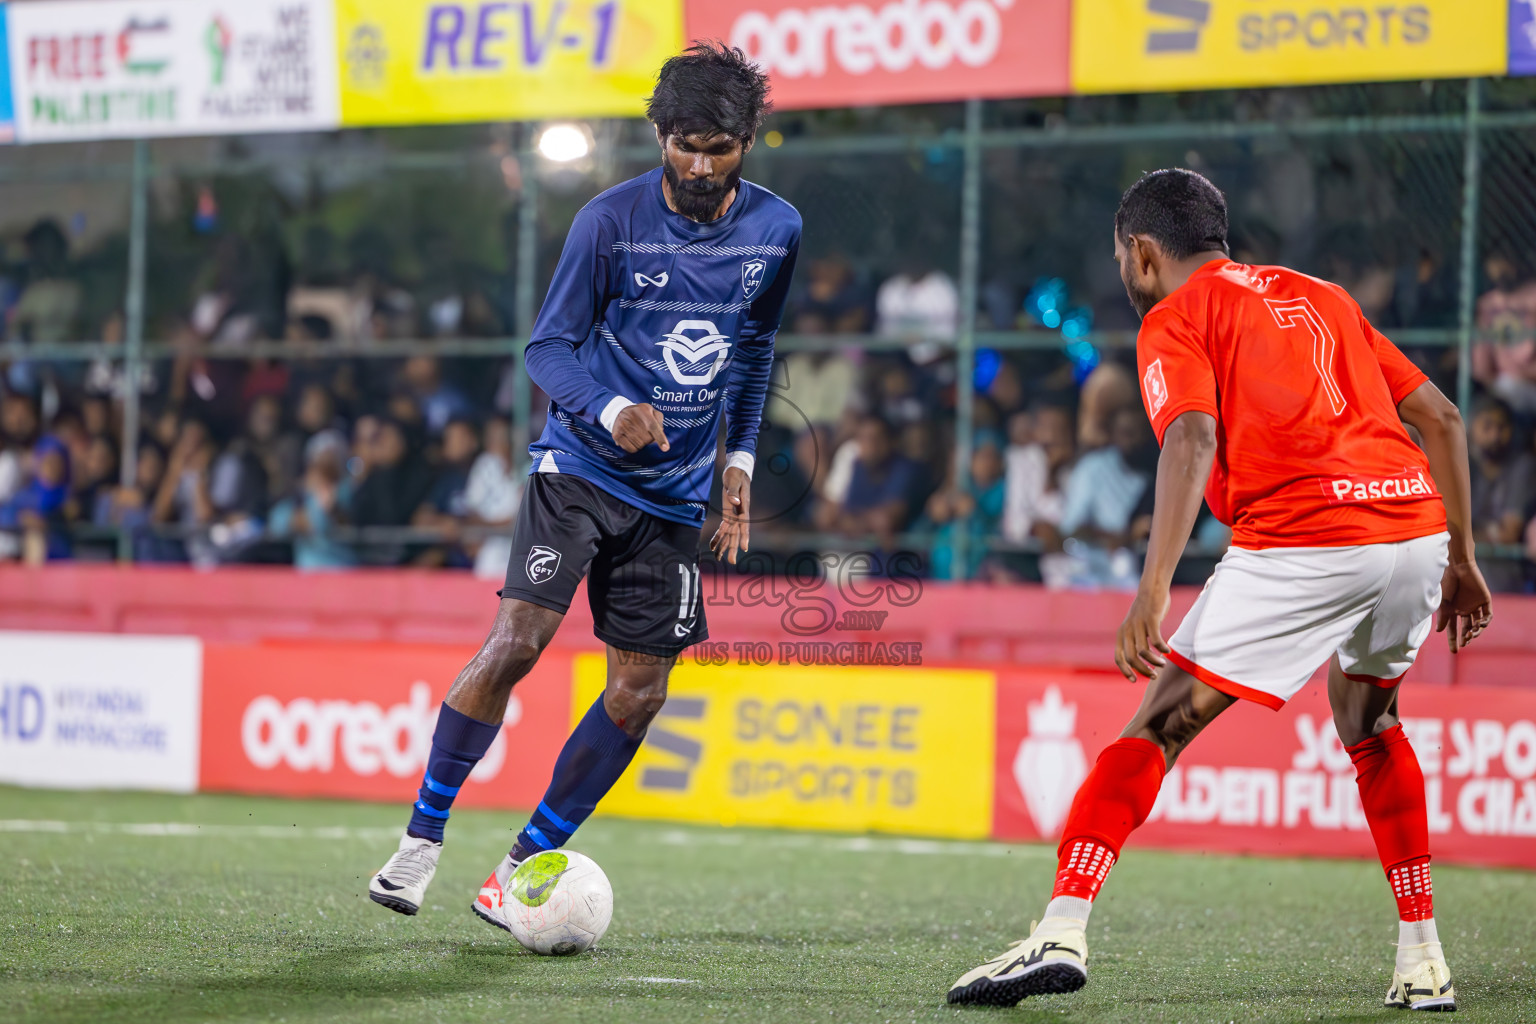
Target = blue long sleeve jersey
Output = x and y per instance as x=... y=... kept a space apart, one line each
x=649 y=306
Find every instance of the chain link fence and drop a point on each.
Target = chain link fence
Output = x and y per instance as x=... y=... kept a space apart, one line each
x=955 y=281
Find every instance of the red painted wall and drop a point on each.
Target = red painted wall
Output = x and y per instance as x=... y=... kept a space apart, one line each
x=971 y=624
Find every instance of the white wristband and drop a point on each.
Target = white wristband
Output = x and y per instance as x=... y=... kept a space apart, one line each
x=610 y=414
x=743 y=461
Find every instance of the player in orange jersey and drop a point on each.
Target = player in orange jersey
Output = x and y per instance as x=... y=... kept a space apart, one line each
x=1271 y=393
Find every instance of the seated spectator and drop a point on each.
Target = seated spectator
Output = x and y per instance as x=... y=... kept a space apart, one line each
x=311 y=518
x=107 y=377
x=32 y=522
x=278 y=450
x=922 y=304
x=495 y=488
x=446 y=507
x=390 y=483
x=1101 y=496
x=899 y=398
x=832 y=302
x=129 y=507
x=97 y=477
x=1503 y=478
x=228 y=504
x=1038 y=467
x=18 y=433
x=438 y=401
x=49 y=305
x=182 y=500
x=1506 y=365
x=974 y=510
x=1108 y=389
x=315 y=414
x=811 y=389
x=880 y=487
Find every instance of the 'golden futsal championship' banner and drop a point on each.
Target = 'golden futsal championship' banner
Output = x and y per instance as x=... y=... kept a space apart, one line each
x=904 y=750
x=1160 y=45
x=434 y=61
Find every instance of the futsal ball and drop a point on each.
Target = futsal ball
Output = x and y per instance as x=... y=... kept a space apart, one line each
x=558 y=903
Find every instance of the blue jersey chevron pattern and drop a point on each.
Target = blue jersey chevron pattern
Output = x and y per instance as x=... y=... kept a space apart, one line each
x=650 y=306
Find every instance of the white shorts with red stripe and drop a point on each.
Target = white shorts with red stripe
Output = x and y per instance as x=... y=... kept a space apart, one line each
x=1268 y=619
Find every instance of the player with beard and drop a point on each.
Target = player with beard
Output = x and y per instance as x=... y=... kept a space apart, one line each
x=1271 y=393
x=659 y=321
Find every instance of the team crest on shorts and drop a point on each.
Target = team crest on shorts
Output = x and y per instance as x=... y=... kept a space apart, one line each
x=542 y=563
x=752 y=276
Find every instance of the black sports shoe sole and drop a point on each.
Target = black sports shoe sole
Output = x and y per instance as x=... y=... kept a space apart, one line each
x=1046 y=980
x=394 y=903
x=487 y=918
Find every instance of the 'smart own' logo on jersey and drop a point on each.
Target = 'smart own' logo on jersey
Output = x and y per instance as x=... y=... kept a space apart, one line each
x=689 y=348
x=683 y=751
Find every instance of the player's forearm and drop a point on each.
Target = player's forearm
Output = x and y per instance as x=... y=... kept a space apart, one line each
x=1445 y=445
x=748 y=392
x=553 y=366
x=1189 y=448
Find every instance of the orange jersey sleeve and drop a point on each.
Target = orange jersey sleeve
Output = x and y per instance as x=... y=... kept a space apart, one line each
x=1175 y=369
x=1403 y=378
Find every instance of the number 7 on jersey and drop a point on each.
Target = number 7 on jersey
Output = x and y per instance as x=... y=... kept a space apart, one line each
x=1290 y=313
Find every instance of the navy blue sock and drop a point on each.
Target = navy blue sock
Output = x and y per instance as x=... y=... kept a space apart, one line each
x=458 y=744
x=590 y=763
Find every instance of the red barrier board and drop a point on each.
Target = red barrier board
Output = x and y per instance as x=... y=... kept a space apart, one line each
x=355 y=721
x=839 y=53
x=1275 y=783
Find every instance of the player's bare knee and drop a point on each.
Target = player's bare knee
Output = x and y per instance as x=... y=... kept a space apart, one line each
x=509 y=655
x=634 y=699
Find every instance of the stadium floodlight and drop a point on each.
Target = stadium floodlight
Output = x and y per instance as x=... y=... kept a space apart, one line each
x=564 y=143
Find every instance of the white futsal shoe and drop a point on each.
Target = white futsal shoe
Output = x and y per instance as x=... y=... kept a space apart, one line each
x=1426 y=987
x=1053 y=959
x=401 y=883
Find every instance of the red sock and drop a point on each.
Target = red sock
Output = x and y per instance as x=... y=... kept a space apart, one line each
x=1392 y=793
x=1116 y=797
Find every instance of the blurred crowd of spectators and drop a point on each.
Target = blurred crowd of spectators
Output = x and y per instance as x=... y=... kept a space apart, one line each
x=346 y=459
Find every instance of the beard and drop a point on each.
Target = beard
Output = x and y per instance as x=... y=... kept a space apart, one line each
x=698 y=199
x=1142 y=302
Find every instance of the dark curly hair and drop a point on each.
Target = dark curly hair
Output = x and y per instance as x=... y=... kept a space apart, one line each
x=1180 y=209
x=710 y=89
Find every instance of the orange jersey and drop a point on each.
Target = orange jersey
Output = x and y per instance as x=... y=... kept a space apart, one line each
x=1310 y=450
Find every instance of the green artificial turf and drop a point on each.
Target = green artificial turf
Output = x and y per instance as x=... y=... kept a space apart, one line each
x=262 y=914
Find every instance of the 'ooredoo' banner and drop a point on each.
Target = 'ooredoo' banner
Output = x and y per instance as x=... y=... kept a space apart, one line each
x=356 y=721
x=841 y=53
x=1279 y=784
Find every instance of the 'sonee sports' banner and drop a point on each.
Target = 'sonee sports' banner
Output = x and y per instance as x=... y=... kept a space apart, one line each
x=903 y=750
x=1279 y=784
x=355 y=721
x=428 y=61
x=84 y=69
x=1159 y=45
x=81 y=711
x=841 y=53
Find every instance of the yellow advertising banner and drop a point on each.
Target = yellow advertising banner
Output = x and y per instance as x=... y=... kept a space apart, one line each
x=1155 y=45
x=432 y=61
x=905 y=750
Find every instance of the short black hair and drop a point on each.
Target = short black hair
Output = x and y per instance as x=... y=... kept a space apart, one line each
x=710 y=89
x=1181 y=210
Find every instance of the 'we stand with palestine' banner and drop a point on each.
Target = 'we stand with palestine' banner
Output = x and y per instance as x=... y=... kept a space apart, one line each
x=123 y=69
